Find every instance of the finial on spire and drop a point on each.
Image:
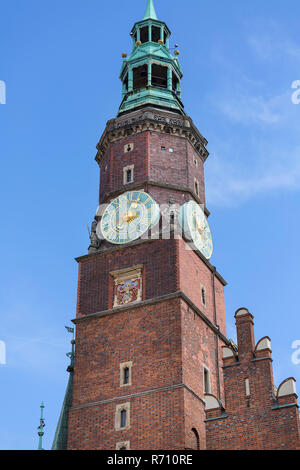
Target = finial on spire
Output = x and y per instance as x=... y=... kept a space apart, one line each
x=150 y=11
x=41 y=427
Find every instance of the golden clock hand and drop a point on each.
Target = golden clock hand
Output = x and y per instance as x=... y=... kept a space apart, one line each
x=129 y=216
x=199 y=227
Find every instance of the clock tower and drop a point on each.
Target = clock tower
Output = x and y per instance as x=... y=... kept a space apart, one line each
x=150 y=322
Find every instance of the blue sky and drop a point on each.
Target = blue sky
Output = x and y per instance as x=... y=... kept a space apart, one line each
x=60 y=60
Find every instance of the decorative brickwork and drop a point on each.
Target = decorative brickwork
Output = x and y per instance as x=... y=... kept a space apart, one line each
x=256 y=416
x=151 y=158
x=153 y=366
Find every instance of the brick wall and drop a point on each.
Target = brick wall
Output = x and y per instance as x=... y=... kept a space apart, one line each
x=94 y=279
x=152 y=163
x=193 y=274
x=167 y=343
x=168 y=267
x=157 y=423
x=255 y=418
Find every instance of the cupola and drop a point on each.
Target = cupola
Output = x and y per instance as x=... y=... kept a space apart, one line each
x=151 y=74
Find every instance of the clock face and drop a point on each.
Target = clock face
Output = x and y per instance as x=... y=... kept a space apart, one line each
x=128 y=217
x=196 y=228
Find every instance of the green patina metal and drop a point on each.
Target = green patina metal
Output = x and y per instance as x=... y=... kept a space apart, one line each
x=150 y=11
x=151 y=74
x=60 y=441
x=41 y=427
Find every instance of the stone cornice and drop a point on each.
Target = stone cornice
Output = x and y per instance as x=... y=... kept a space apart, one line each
x=139 y=394
x=144 y=303
x=152 y=119
x=135 y=186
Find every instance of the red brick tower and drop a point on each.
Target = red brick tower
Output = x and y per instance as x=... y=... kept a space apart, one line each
x=145 y=357
x=153 y=368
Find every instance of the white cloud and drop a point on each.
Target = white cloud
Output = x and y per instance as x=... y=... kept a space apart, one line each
x=270 y=41
x=256 y=109
x=262 y=150
x=227 y=185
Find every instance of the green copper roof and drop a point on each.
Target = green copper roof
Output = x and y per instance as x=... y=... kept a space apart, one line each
x=150 y=11
x=41 y=427
x=60 y=441
x=151 y=73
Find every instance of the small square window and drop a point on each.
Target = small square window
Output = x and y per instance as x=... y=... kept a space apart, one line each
x=163 y=148
x=171 y=150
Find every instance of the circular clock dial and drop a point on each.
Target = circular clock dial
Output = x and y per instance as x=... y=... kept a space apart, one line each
x=128 y=217
x=196 y=228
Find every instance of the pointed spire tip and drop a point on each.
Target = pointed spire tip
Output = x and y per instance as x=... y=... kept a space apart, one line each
x=150 y=11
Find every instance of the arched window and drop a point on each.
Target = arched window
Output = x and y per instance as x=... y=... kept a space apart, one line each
x=195 y=440
x=123 y=419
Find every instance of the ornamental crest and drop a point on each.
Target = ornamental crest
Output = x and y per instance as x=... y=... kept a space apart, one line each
x=127 y=286
x=127 y=291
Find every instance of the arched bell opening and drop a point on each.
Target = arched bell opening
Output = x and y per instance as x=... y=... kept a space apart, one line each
x=159 y=76
x=140 y=77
